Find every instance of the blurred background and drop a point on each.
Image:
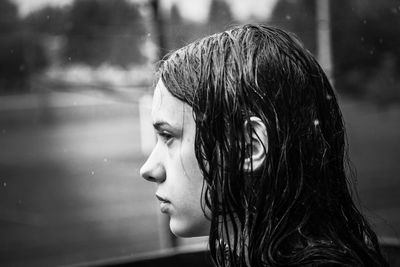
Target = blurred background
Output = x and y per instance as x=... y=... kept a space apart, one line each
x=74 y=76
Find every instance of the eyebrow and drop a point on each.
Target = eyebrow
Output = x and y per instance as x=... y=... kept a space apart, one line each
x=158 y=125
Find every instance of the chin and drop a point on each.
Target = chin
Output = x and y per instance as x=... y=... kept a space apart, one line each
x=186 y=230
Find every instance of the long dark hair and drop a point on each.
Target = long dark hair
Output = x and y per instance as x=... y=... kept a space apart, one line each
x=298 y=209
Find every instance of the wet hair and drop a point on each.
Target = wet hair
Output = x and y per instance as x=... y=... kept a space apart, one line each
x=298 y=208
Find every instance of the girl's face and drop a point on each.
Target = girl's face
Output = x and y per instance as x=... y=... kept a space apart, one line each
x=172 y=165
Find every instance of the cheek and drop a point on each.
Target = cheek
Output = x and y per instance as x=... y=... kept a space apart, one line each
x=189 y=163
x=192 y=168
x=193 y=179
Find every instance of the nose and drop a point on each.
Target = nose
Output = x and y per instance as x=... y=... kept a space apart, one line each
x=153 y=169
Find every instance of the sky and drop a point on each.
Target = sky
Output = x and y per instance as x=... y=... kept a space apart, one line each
x=27 y=6
x=194 y=10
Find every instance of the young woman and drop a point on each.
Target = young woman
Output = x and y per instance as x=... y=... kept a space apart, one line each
x=251 y=151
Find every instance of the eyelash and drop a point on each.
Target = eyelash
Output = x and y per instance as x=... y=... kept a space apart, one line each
x=165 y=137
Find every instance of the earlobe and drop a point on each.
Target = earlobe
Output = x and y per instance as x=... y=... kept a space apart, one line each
x=256 y=144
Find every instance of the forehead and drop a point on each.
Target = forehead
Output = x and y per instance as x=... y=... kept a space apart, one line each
x=168 y=108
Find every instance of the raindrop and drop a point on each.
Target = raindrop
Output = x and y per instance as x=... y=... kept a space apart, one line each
x=4 y=184
x=329 y=97
x=316 y=122
x=21 y=67
x=3 y=131
x=48 y=17
x=380 y=40
x=92 y=172
x=105 y=160
x=12 y=51
x=362 y=39
x=149 y=34
x=69 y=58
x=371 y=52
x=365 y=21
x=19 y=201
x=288 y=17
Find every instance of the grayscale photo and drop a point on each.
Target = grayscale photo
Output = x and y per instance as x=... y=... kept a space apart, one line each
x=222 y=133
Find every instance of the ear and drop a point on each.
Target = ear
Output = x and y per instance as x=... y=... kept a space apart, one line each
x=256 y=138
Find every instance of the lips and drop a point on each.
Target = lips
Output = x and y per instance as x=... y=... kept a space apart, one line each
x=164 y=204
x=162 y=199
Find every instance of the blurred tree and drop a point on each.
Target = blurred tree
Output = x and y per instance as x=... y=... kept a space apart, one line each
x=297 y=17
x=384 y=86
x=177 y=33
x=48 y=20
x=104 y=31
x=8 y=17
x=21 y=56
x=180 y=31
x=220 y=16
x=175 y=14
x=21 y=53
x=366 y=47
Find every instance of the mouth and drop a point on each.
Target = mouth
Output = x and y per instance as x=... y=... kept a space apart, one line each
x=161 y=199
x=164 y=204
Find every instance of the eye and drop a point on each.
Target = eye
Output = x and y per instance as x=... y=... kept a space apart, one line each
x=165 y=136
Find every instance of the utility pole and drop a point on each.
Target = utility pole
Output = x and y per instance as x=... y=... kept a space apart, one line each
x=156 y=30
x=324 y=51
x=167 y=239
